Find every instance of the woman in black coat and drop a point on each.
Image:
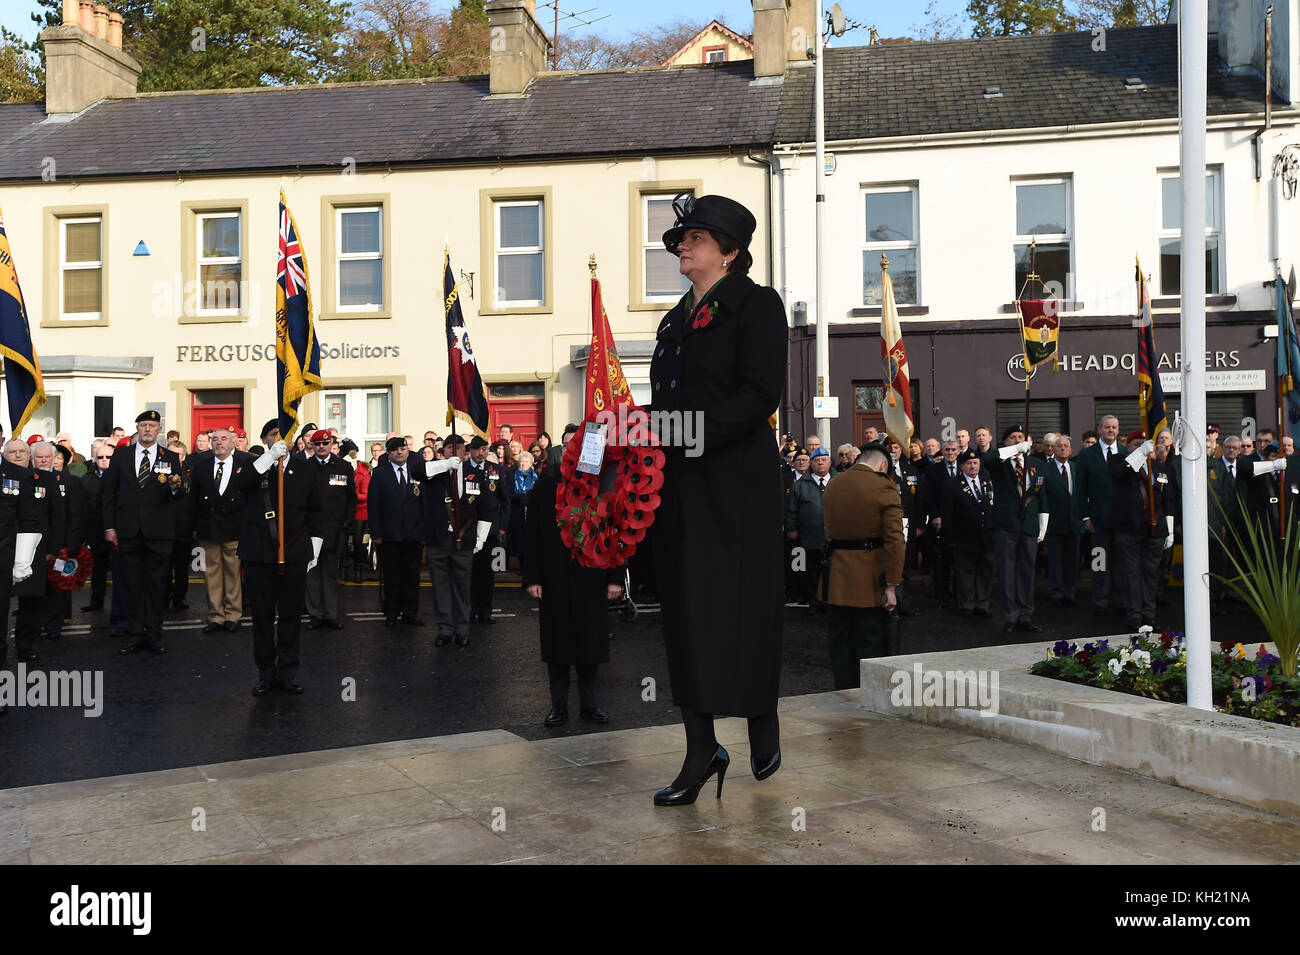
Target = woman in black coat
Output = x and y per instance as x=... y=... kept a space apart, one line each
x=717 y=537
x=574 y=606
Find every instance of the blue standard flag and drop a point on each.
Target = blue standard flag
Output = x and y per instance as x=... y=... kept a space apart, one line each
x=1288 y=353
x=465 y=392
x=297 y=352
x=23 y=383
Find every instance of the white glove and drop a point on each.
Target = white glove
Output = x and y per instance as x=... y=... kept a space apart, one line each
x=1148 y=447
x=1138 y=459
x=24 y=552
x=482 y=528
x=316 y=544
x=270 y=456
x=1278 y=465
x=1012 y=450
x=1042 y=526
x=905 y=528
x=439 y=465
x=1169 y=541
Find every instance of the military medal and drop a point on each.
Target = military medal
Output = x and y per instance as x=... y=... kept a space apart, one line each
x=415 y=489
x=39 y=492
x=492 y=485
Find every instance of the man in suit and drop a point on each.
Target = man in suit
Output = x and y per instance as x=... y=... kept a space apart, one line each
x=277 y=591
x=178 y=575
x=58 y=603
x=965 y=502
x=1064 y=498
x=34 y=549
x=92 y=484
x=907 y=480
x=338 y=505
x=20 y=532
x=395 y=512
x=459 y=514
x=217 y=509
x=1143 y=522
x=141 y=494
x=864 y=524
x=492 y=479
x=1019 y=524
x=804 y=524
x=939 y=546
x=1224 y=514
x=1096 y=486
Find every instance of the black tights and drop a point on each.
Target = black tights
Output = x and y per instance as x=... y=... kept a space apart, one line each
x=701 y=744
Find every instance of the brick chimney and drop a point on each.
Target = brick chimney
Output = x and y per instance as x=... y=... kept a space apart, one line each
x=84 y=62
x=518 y=46
x=772 y=37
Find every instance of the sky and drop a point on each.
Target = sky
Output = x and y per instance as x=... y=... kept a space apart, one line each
x=628 y=16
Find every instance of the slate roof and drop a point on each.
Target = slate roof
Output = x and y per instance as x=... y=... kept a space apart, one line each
x=907 y=89
x=634 y=112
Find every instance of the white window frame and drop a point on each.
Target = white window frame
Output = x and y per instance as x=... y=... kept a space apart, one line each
x=66 y=266
x=890 y=245
x=355 y=400
x=650 y=243
x=498 y=251
x=1046 y=238
x=340 y=257
x=1215 y=206
x=201 y=260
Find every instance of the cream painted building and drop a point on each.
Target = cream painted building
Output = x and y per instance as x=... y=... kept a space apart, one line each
x=716 y=43
x=144 y=228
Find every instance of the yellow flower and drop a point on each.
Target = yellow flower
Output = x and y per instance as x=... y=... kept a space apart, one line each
x=1240 y=651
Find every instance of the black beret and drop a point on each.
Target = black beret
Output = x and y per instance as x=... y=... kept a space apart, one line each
x=348 y=446
x=477 y=442
x=799 y=451
x=881 y=444
x=1012 y=430
x=148 y=416
x=453 y=441
x=395 y=444
x=970 y=454
x=67 y=455
x=272 y=425
x=257 y=450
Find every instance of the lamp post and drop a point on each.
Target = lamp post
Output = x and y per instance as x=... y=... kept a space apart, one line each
x=837 y=26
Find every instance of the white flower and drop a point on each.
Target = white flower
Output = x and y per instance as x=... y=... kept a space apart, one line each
x=1050 y=654
x=1144 y=631
x=1142 y=659
x=1173 y=653
x=1124 y=657
x=1115 y=666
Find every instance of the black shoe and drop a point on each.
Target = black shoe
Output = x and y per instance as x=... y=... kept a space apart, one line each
x=462 y=640
x=685 y=795
x=556 y=717
x=31 y=656
x=486 y=619
x=333 y=624
x=294 y=688
x=441 y=640
x=771 y=766
x=390 y=621
x=92 y=607
x=1030 y=626
x=313 y=624
x=261 y=688
x=595 y=715
x=212 y=626
x=231 y=626
x=128 y=648
x=1008 y=628
x=412 y=621
x=157 y=647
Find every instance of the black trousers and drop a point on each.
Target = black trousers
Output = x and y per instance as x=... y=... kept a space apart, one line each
x=120 y=611
x=58 y=607
x=6 y=589
x=275 y=603
x=399 y=562
x=588 y=685
x=855 y=633
x=974 y=579
x=1110 y=588
x=450 y=573
x=27 y=626
x=1139 y=564
x=147 y=563
x=102 y=553
x=182 y=555
x=1062 y=565
x=323 y=586
x=482 y=581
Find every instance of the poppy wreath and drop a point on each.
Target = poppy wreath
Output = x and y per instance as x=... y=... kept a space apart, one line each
x=85 y=564
x=602 y=529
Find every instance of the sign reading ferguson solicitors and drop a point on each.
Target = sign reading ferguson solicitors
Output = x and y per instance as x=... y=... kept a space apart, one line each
x=229 y=353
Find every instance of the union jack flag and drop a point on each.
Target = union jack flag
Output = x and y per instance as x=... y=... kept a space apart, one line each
x=291 y=275
x=297 y=351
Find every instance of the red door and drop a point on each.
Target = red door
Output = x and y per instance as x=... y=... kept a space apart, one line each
x=520 y=406
x=215 y=409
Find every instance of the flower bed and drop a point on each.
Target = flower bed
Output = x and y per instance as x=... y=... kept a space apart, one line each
x=1156 y=667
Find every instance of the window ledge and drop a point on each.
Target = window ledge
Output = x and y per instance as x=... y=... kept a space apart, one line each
x=1065 y=307
x=73 y=322
x=333 y=316
x=875 y=311
x=212 y=319
x=1211 y=301
x=520 y=310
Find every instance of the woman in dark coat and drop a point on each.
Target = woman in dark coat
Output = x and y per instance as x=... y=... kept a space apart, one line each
x=720 y=361
x=574 y=607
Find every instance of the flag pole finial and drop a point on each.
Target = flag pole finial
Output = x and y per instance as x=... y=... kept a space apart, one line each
x=591 y=264
x=884 y=262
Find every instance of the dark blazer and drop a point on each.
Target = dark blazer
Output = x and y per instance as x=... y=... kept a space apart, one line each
x=803 y=513
x=498 y=481
x=966 y=522
x=1005 y=513
x=92 y=485
x=1224 y=507
x=1129 y=513
x=216 y=516
x=930 y=495
x=74 y=511
x=393 y=515
x=1095 y=481
x=20 y=512
x=477 y=503
x=301 y=507
x=338 y=488
x=149 y=511
x=1066 y=509
x=51 y=513
x=717 y=541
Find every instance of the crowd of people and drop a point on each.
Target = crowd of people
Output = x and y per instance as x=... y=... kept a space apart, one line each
x=980 y=514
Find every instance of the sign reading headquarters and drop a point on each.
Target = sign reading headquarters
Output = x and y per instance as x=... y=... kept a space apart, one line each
x=228 y=353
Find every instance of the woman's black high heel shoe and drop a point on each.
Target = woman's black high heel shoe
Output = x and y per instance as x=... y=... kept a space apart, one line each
x=768 y=769
x=685 y=795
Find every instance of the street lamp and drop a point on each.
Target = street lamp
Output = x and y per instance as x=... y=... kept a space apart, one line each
x=834 y=23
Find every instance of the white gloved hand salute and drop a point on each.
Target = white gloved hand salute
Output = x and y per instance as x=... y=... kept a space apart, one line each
x=24 y=553
x=439 y=465
x=1011 y=450
x=316 y=544
x=272 y=454
x=1169 y=523
x=1278 y=465
x=1043 y=520
x=482 y=528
